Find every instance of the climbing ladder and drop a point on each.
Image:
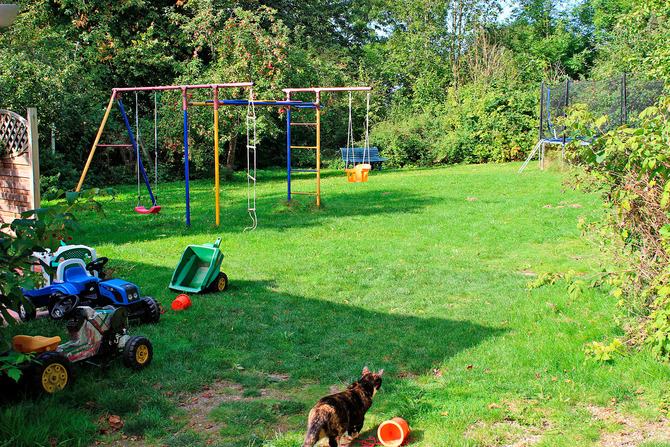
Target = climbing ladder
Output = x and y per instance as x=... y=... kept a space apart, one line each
x=251 y=163
x=316 y=124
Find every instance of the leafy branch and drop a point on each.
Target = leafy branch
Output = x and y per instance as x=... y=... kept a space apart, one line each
x=37 y=231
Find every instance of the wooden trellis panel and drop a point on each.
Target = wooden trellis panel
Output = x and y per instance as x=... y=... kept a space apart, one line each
x=19 y=164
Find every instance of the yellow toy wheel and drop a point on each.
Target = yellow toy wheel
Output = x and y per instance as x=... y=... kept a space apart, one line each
x=142 y=354
x=138 y=352
x=52 y=372
x=220 y=283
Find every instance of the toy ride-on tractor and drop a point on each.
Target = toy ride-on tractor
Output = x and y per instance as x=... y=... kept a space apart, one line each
x=85 y=283
x=47 y=264
x=94 y=335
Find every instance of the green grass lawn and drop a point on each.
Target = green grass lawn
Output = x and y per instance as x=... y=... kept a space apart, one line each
x=420 y=272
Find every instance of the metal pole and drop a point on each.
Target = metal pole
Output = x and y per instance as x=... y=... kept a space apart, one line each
x=624 y=100
x=318 y=149
x=96 y=141
x=216 y=153
x=541 y=110
x=184 y=108
x=182 y=87
x=288 y=151
x=567 y=102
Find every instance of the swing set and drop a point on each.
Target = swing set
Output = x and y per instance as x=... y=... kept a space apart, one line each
x=358 y=174
x=116 y=97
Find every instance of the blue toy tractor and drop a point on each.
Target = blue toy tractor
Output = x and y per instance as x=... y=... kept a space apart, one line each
x=79 y=284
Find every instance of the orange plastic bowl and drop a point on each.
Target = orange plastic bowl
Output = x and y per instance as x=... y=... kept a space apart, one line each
x=393 y=433
x=181 y=302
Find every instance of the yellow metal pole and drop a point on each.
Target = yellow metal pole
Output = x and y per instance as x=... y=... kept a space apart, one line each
x=97 y=140
x=318 y=149
x=216 y=153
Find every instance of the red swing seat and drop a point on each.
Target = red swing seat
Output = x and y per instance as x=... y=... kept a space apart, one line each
x=152 y=210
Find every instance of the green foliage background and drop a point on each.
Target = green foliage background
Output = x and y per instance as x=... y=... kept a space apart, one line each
x=453 y=82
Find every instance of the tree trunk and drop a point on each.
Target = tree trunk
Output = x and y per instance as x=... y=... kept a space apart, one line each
x=230 y=159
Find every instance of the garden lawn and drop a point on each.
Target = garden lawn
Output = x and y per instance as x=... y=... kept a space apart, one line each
x=420 y=272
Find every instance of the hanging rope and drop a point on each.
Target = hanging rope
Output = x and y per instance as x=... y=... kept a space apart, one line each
x=350 y=137
x=359 y=172
x=251 y=161
x=367 y=129
x=140 y=169
x=156 y=143
x=137 y=140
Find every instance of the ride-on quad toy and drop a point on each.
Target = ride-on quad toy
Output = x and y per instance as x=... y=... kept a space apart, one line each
x=75 y=279
x=94 y=334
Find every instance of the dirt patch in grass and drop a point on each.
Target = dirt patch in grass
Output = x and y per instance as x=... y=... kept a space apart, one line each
x=509 y=433
x=198 y=406
x=630 y=431
x=623 y=429
x=193 y=415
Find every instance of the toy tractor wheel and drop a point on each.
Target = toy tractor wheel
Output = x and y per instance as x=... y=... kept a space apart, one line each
x=138 y=352
x=51 y=372
x=152 y=310
x=25 y=314
x=220 y=283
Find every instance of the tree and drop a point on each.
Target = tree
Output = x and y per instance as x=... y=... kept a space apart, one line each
x=234 y=45
x=427 y=40
x=63 y=57
x=638 y=41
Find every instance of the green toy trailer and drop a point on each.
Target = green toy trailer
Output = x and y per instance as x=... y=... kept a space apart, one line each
x=198 y=270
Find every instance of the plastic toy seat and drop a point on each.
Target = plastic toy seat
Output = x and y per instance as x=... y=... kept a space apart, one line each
x=359 y=173
x=152 y=210
x=26 y=343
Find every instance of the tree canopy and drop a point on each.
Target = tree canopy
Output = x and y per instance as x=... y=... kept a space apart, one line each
x=463 y=79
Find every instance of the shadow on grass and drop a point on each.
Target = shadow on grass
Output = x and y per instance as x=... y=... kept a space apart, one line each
x=249 y=334
x=122 y=225
x=257 y=328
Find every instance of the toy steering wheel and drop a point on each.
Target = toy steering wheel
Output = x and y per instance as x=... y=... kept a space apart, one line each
x=97 y=265
x=64 y=307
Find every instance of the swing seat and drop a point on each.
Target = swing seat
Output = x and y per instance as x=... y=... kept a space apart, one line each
x=152 y=210
x=359 y=173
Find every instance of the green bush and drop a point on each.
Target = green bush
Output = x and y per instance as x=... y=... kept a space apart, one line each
x=405 y=141
x=631 y=167
x=497 y=125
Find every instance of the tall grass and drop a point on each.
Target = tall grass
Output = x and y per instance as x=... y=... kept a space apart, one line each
x=420 y=272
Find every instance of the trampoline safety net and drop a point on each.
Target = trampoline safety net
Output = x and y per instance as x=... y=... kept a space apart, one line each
x=621 y=98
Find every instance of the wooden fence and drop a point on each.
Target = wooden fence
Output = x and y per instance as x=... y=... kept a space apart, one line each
x=19 y=164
